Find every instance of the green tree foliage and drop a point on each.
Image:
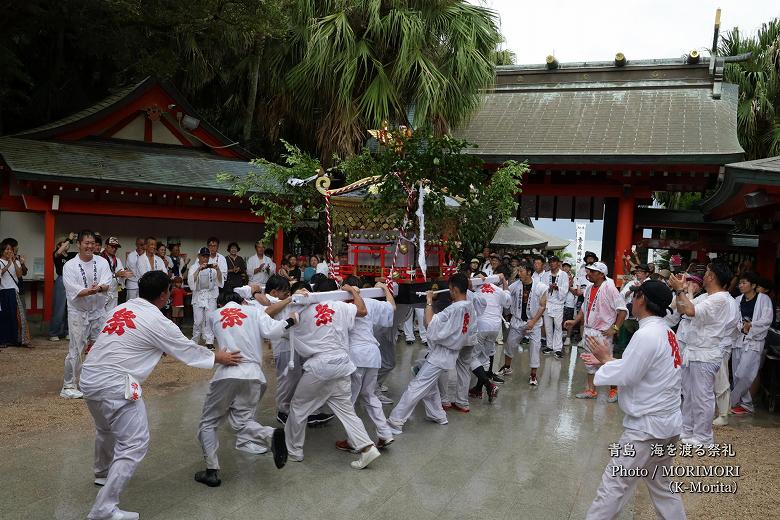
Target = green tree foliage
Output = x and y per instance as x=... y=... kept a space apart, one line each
x=758 y=115
x=439 y=164
x=347 y=66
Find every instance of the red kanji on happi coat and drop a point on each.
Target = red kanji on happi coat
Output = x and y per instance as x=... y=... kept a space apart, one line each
x=231 y=316
x=324 y=314
x=134 y=386
x=465 y=328
x=488 y=288
x=119 y=320
x=675 y=349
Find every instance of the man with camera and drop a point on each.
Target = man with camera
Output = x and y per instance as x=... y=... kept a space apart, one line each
x=204 y=280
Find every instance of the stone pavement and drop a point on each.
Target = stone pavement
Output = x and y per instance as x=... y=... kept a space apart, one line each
x=534 y=453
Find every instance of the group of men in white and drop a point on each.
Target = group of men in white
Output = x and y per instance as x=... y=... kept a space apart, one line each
x=326 y=347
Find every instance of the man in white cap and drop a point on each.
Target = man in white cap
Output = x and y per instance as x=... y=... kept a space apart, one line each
x=87 y=279
x=128 y=348
x=602 y=312
x=649 y=379
x=204 y=280
x=118 y=273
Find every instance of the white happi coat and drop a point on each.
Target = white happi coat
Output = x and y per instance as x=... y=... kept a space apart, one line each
x=94 y=271
x=538 y=290
x=494 y=299
x=601 y=311
x=131 y=343
x=221 y=262
x=253 y=263
x=144 y=265
x=204 y=286
x=363 y=345
x=242 y=328
x=557 y=298
x=759 y=326
x=322 y=336
x=132 y=264
x=648 y=380
x=448 y=333
x=713 y=320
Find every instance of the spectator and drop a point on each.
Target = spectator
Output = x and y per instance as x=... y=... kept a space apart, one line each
x=236 y=268
x=13 y=321
x=131 y=262
x=162 y=254
x=216 y=258
x=58 y=326
x=311 y=270
x=178 y=260
x=259 y=266
x=177 y=301
x=291 y=270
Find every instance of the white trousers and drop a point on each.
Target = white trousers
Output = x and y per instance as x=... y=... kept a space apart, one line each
x=590 y=369
x=364 y=390
x=423 y=387
x=463 y=366
x=419 y=315
x=237 y=400
x=745 y=364
x=698 y=407
x=485 y=347
x=723 y=386
x=553 y=327
x=83 y=328
x=121 y=442
x=515 y=336
x=131 y=293
x=201 y=324
x=286 y=380
x=111 y=301
x=386 y=337
x=615 y=491
x=312 y=393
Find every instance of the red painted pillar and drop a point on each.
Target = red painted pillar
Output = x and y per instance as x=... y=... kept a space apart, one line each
x=279 y=247
x=624 y=234
x=48 y=265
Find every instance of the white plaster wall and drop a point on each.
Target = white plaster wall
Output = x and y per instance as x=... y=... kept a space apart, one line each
x=193 y=234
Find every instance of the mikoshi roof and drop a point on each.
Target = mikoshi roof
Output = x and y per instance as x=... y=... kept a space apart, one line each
x=106 y=163
x=517 y=234
x=651 y=111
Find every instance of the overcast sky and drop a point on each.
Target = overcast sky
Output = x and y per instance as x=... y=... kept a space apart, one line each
x=577 y=30
x=597 y=30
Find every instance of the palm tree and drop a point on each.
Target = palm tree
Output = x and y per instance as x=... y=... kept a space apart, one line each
x=758 y=114
x=347 y=66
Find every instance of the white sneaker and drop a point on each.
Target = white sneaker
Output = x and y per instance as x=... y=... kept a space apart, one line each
x=54 y=338
x=71 y=393
x=118 y=514
x=366 y=458
x=499 y=341
x=443 y=422
x=532 y=381
x=384 y=399
x=693 y=442
x=395 y=429
x=294 y=458
x=383 y=388
x=100 y=481
x=721 y=420
x=251 y=447
x=67 y=336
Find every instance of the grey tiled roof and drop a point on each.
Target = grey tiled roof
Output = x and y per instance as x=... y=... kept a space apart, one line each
x=613 y=124
x=104 y=163
x=89 y=111
x=769 y=165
